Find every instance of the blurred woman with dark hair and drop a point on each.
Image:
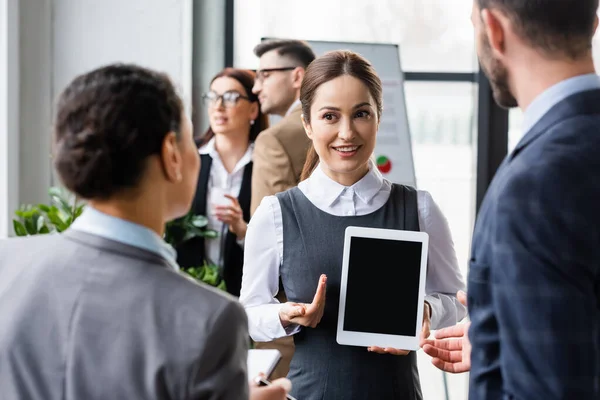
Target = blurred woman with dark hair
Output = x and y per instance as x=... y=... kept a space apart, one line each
x=101 y=310
x=224 y=185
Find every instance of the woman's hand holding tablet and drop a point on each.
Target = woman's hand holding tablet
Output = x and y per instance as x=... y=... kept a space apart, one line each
x=425 y=332
x=305 y=314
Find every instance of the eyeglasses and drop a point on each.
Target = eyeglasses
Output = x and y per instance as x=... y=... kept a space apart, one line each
x=228 y=99
x=262 y=74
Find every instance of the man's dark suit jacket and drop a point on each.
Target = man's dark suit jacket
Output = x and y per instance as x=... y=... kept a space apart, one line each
x=534 y=277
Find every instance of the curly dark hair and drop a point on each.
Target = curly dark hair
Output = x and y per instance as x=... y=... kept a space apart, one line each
x=108 y=122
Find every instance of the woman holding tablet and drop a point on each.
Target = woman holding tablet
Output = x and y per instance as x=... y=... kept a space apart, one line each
x=298 y=236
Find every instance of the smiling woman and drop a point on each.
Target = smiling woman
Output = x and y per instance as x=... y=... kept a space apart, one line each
x=223 y=190
x=341 y=109
x=297 y=237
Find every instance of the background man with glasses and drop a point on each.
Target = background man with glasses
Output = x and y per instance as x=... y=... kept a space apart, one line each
x=280 y=150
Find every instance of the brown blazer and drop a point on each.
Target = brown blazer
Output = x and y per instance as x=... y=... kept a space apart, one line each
x=279 y=155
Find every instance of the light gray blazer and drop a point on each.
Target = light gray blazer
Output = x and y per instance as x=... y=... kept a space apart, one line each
x=83 y=317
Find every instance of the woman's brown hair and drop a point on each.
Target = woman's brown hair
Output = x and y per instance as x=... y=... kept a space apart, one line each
x=246 y=78
x=323 y=69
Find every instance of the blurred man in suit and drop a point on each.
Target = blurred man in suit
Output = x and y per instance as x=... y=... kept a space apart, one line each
x=534 y=276
x=101 y=311
x=280 y=151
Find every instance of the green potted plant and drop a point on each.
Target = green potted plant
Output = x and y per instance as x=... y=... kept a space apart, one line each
x=65 y=208
x=42 y=218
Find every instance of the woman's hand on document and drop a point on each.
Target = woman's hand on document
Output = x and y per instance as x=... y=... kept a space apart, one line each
x=305 y=314
x=276 y=390
x=425 y=332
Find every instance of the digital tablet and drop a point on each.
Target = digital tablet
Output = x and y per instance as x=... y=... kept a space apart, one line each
x=382 y=288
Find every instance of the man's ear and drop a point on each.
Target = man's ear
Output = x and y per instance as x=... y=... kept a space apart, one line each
x=254 y=107
x=495 y=25
x=297 y=77
x=307 y=127
x=171 y=158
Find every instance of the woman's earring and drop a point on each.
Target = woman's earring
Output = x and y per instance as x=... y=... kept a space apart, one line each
x=251 y=122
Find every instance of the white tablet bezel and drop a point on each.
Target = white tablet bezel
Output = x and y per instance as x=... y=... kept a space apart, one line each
x=367 y=339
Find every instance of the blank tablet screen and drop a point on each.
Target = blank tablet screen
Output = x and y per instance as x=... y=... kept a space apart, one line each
x=383 y=286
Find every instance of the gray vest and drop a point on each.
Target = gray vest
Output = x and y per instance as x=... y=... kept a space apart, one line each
x=313 y=245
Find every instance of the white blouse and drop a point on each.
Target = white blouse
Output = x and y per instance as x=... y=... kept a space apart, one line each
x=264 y=250
x=221 y=182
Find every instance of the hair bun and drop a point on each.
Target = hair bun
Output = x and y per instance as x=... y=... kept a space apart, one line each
x=86 y=139
x=84 y=159
x=108 y=122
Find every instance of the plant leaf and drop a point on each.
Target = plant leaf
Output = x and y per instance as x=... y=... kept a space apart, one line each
x=19 y=228
x=189 y=235
x=209 y=233
x=40 y=223
x=60 y=198
x=57 y=221
x=54 y=191
x=199 y=221
x=78 y=211
x=31 y=225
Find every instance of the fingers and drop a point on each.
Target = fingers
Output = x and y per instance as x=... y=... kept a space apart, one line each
x=453 y=368
x=456 y=331
x=227 y=210
x=293 y=310
x=317 y=307
x=462 y=297
x=271 y=392
x=228 y=215
x=284 y=383
x=232 y=198
x=444 y=355
x=388 y=350
x=446 y=344
x=321 y=290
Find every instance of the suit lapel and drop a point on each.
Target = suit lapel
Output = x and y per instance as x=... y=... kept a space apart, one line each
x=578 y=104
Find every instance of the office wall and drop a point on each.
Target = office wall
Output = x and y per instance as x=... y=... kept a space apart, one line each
x=53 y=41
x=9 y=121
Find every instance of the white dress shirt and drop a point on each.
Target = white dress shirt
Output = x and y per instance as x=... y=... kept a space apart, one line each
x=221 y=182
x=264 y=250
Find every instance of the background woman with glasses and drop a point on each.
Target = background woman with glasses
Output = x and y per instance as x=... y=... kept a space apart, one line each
x=224 y=184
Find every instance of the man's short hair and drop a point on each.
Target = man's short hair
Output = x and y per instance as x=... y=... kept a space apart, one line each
x=297 y=50
x=553 y=26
